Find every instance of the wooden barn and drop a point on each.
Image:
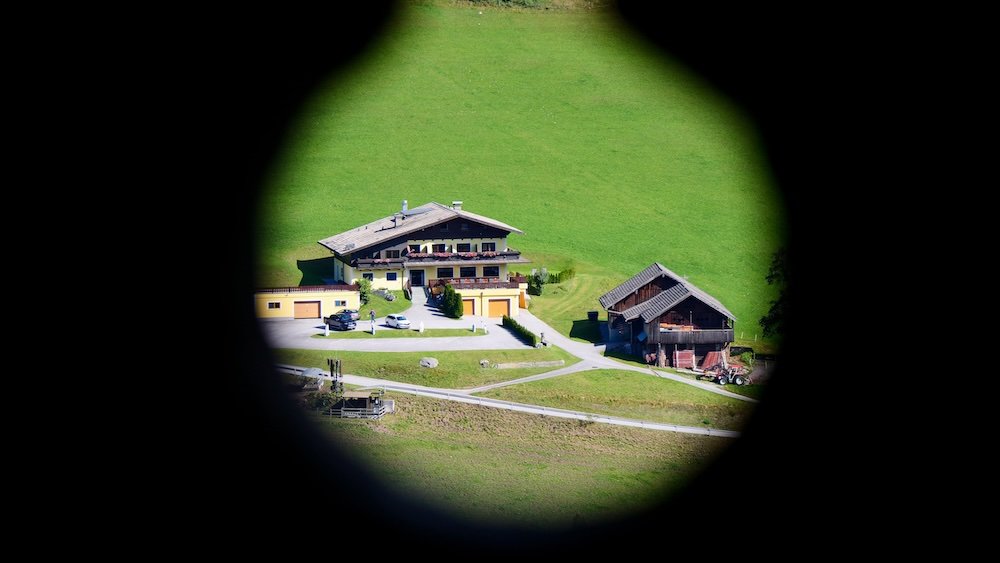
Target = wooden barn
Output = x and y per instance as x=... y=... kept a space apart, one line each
x=668 y=320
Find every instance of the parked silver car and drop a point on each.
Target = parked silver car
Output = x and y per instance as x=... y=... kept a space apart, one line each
x=352 y=312
x=398 y=321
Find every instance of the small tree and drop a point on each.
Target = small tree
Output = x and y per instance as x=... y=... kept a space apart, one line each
x=534 y=285
x=365 y=288
x=451 y=303
x=773 y=322
x=320 y=401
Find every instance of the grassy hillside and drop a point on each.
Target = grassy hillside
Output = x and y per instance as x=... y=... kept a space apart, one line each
x=505 y=466
x=557 y=122
x=456 y=370
x=631 y=395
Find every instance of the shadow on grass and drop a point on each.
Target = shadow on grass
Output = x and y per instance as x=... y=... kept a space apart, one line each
x=621 y=355
x=591 y=331
x=313 y=271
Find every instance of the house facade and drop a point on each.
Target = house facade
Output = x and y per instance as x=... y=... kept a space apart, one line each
x=431 y=246
x=305 y=302
x=656 y=312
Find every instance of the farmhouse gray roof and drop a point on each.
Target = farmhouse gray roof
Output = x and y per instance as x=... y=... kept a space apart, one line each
x=666 y=298
x=654 y=307
x=384 y=229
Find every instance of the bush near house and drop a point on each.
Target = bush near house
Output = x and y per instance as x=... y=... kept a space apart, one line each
x=523 y=333
x=534 y=285
x=565 y=275
x=365 y=289
x=451 y=303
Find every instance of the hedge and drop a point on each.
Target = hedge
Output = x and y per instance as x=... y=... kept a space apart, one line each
x=523 y=333
x=559 y=277
x=451 y=303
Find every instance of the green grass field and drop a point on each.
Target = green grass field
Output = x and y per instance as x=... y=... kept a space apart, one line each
x=557 y=122
x=383 y=307
x=630 y=395
x=456 y=370
x=383 y=332
x=502 y=466
x=564 y=305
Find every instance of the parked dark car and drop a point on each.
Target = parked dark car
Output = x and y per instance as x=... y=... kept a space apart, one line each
x=341 y=321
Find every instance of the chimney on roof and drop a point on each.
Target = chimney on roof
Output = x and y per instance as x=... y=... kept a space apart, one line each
x=404 y=206
x=456 y=205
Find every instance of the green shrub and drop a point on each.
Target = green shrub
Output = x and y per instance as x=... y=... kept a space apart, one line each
x=523 y=333
x=451 y=303
x=567 y=274
x=746 y=358
x=534 y=286
x=365 y=289
x=320 y=400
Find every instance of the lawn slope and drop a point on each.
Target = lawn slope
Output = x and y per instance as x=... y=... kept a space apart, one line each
x=456 y=370
x=631 y=395
x=557 y=122
x=502 y=466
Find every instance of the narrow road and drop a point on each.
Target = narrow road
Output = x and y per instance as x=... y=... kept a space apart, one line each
x=463 y=397
x=593 y=358
x=299 y=334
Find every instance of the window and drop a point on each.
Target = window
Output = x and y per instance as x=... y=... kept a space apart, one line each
x=273 y=305
x=390 y=276
x=465 y=226
x=467 y=272
x=414 y=248
x=368 y=276
x=439 y=248
x=339 y=303
x=376 y=254
x=491 y=271
x=446 y=272
x=489 y=247
x=392 y=254
x=464 y=247
x=444 y=226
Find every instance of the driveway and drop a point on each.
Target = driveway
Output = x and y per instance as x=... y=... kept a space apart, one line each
x=298 y=333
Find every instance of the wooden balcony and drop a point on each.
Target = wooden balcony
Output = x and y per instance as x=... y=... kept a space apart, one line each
x=304 y=288
x=509 y=255
x=702 y=336
x=472 y=283
x=378 y=263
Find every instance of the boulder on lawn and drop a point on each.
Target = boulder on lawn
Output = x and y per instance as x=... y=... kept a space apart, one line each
x=484 y=363
x=428 y=362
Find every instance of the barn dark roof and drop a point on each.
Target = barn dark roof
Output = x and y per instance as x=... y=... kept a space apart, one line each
x=652 y=308
x=666 y=299
x=630 y=285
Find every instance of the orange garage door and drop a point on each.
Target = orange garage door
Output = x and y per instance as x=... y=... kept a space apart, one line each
x=307 y=309
x=499 y=307
x=468 y=306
